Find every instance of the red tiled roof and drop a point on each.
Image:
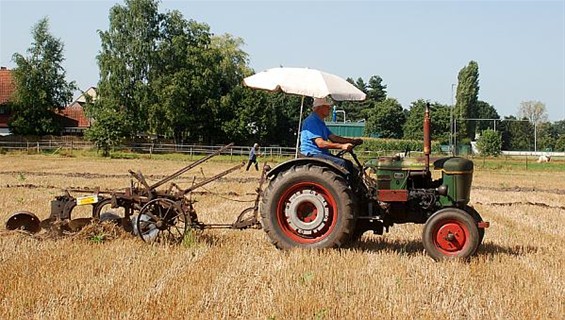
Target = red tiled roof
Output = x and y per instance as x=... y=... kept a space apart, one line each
x=7 y=86
x=75 y=111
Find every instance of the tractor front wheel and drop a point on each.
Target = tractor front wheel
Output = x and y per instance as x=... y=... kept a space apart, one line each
x=308 y=206
x=451 y=233
x=470 y=210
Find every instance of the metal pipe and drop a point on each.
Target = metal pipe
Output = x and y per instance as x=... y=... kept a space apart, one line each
x=190 y=166
x=427 y=136
x=299 y=128
x=216 y=177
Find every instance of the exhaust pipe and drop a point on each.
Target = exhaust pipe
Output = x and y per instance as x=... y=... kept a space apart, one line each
x=427 y=137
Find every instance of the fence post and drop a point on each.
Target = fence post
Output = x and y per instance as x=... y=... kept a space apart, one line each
x=37 y=147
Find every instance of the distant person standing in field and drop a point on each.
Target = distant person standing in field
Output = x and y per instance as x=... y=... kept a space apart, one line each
x=253 y=157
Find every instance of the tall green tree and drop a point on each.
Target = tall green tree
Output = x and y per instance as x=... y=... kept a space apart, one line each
x=40 y=84
x=385 y=119
x=126 y=61
x=227 y=68
x=165 y=75
x=467 y=97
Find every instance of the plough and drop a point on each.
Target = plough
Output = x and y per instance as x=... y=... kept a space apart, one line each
x=154 y=214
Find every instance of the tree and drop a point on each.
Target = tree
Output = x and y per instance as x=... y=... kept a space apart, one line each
x=107 y=131
x=40 y=84
x=517 y=134
x=534 y=111
x=127 y=60
x=165 y=75
x=385 y=119
x=485 y=111
x=546 y=136
x=559 y=127
x=354 y=109
x=413 y=128
x=260 y=116
x=376 y=91
x=560 y=144
x=490 y=143
x=467 y=97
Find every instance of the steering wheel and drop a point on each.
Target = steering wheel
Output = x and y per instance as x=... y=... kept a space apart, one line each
x=342 y=152
x=355 y=144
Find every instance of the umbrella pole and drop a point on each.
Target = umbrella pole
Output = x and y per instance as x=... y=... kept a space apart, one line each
x=299 y=125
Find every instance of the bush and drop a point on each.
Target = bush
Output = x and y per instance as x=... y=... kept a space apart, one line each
x=490 y=143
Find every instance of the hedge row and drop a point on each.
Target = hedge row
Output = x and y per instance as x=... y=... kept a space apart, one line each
x=375 y=144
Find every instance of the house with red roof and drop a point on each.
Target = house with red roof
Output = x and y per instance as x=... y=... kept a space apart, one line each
x=73 y=119
x=6 y=89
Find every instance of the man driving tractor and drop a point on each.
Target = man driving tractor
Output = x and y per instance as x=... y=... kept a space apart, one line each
x=316 y=139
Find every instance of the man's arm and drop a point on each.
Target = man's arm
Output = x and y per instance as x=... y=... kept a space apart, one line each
x=323 y=144
x=338 y=139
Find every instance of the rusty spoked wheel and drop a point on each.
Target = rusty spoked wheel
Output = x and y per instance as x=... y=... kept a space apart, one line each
x=308 y=206
x=162 y=220
x=451 y=233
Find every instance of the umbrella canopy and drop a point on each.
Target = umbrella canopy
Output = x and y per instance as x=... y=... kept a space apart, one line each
x=305 y=82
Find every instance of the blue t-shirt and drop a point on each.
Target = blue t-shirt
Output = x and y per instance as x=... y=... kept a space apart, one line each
x=313 y=127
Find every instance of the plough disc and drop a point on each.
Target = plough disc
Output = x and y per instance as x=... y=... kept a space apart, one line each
x=24 y=220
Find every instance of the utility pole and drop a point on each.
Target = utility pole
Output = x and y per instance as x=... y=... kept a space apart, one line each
x=535 y=137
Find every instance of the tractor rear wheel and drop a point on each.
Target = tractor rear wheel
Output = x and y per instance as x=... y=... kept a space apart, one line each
x=308 y=206
x=450 y=233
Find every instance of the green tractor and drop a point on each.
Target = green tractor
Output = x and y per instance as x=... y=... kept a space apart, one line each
x=313 y=203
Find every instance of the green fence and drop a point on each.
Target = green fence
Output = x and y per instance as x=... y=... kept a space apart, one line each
x=347 y=129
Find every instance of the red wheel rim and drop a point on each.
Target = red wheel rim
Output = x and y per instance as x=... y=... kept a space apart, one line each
x=307 y=212
x=450 y=236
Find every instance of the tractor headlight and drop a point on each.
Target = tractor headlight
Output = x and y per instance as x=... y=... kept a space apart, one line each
x=442 y=190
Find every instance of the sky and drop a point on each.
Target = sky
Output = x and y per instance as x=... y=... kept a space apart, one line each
x=416 y=47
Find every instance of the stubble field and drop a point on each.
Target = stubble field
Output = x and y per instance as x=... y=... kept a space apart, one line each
x=518 y=273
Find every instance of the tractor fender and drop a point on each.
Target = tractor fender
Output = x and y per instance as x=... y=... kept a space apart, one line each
x=307 y=160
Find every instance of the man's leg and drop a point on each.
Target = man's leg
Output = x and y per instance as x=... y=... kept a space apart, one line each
x=248 y=165
x=348 y=165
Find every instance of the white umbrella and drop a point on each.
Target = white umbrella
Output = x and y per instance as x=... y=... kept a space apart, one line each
x=305 y=82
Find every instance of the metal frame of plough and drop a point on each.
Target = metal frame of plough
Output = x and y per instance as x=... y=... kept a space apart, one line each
x=162 y=215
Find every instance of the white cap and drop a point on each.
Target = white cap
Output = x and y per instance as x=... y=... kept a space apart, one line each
x=320 y=102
